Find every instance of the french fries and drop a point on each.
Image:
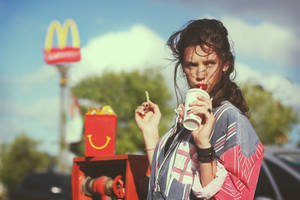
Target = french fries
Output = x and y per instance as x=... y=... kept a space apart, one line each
x=147 y=97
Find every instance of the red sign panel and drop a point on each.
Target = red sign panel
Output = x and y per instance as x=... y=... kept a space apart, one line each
x=65 y=55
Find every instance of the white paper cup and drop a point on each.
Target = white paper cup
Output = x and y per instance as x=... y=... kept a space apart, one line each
x=191 y=121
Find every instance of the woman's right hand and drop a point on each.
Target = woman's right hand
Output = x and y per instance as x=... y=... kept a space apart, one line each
x=147 y=117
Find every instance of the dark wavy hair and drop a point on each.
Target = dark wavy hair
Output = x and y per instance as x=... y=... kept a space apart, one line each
x=210 y=35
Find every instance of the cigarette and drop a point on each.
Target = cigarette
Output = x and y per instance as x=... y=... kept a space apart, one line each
x=147 y=96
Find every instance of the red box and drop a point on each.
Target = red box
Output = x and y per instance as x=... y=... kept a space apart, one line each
x=100 y=135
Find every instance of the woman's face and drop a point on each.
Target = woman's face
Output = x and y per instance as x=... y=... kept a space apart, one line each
x=202 y=67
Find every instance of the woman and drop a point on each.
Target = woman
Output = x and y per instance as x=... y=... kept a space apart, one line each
x=222 y=158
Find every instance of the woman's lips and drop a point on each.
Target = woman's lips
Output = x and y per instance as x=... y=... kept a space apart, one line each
x=203 y=86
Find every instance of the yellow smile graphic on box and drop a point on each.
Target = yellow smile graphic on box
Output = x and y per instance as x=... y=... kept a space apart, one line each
x=101 y=147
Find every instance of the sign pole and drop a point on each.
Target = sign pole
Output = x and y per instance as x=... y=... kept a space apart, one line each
x=61 y=161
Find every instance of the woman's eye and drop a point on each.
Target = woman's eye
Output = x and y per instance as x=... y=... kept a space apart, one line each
x=190 y=64
x=210 y=64
x=193 y=65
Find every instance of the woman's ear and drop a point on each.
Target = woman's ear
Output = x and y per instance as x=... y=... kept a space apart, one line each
x=225 y=67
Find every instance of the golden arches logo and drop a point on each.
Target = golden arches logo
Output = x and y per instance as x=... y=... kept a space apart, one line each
x=63 y=53
x=98 y=147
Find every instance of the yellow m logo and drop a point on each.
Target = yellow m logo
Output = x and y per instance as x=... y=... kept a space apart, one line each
x=62 y=34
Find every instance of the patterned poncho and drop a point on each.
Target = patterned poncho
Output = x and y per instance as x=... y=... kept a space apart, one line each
x=175 y=168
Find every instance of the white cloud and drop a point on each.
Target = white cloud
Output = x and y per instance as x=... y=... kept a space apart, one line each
x=264 y=40
x=283 y=90
x=137 y=48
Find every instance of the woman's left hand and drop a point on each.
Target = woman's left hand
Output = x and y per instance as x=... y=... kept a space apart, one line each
x=203 y=108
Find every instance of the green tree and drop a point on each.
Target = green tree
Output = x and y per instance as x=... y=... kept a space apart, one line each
x=20 y=158
x=271 y=119
x=124 y=91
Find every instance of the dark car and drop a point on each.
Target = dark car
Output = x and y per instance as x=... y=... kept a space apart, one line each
x=280 y=174
x=44 y=186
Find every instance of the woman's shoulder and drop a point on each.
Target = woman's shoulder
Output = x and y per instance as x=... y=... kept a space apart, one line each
x=234 y=127
x=227 y=114
x=227 y=111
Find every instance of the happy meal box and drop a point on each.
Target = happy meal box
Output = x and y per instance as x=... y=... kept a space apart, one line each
x=100 y=132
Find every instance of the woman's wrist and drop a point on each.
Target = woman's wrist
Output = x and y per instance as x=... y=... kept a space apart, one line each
x=150 y=133
x=149 y=130
x=150 y=145
x=150 y=138
x=204 y=144
x=206 y=155
x=150 y=148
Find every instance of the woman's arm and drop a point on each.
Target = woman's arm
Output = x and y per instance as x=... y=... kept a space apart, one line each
x=147 y=117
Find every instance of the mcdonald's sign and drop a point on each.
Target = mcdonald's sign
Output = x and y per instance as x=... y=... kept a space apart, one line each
x=62 y=53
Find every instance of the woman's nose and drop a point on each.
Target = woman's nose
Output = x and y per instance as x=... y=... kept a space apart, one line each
x=201 y=70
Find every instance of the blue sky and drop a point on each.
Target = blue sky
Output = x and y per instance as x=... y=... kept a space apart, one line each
x=126 y=35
